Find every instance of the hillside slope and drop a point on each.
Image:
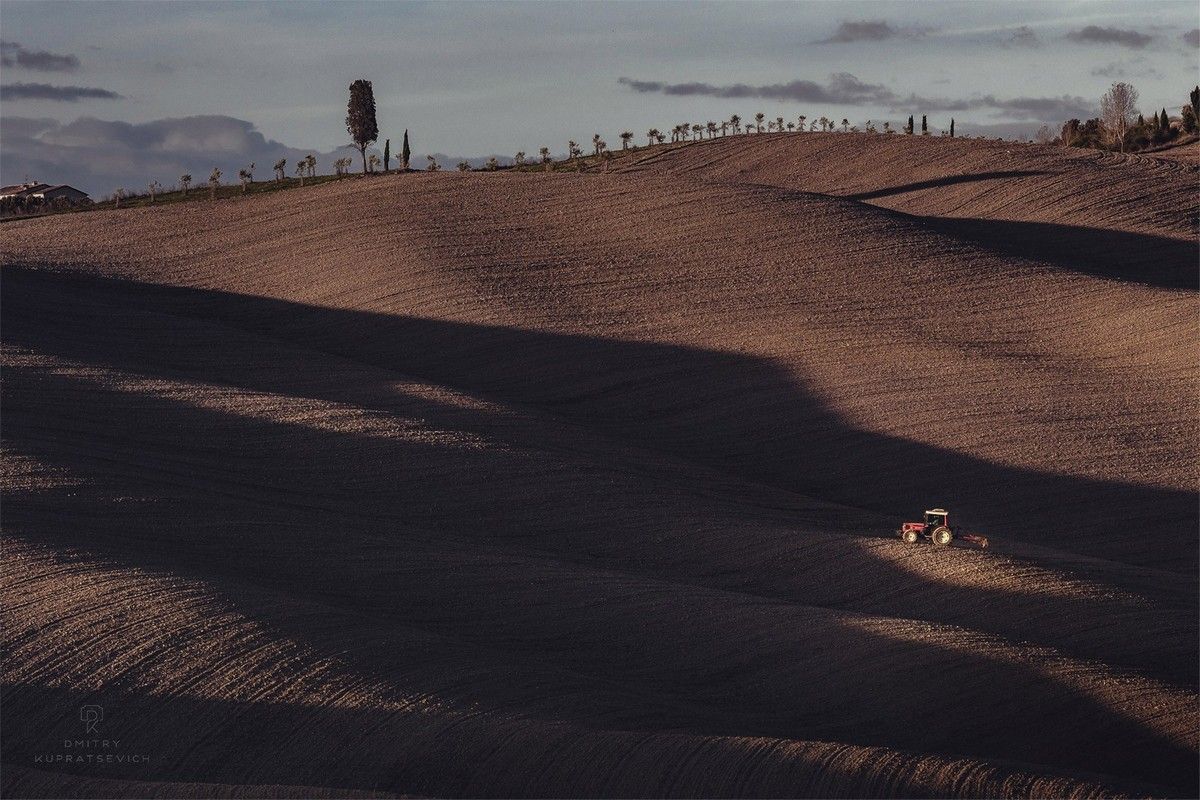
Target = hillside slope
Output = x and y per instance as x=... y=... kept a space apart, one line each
x=556 y=484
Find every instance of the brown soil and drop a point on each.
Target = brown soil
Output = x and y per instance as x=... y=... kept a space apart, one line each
x=584 y=485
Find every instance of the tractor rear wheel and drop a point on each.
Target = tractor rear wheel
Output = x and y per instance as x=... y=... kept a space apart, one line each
x=942 y=535
x=908 y=536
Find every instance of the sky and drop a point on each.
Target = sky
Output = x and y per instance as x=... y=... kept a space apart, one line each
x=108 y=94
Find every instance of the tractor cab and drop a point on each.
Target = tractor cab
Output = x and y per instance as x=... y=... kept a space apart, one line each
x=935 y=518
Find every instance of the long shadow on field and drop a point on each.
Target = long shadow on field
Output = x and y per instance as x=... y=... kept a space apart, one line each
x=1141 y=258
x=740 y=415
x=668 y=397
x=949 y=180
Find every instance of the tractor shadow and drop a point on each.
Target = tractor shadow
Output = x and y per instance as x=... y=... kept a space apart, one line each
x=742 y=417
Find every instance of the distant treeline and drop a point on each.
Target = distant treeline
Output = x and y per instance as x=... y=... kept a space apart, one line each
x=1121 y=127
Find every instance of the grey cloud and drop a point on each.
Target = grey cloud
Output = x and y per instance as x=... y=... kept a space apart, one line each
x=1127 y=69
x=98 y=155
x=1192 y=37
x=1028 y=108
x=862 y=31
x=845 y=89
x=12 y=54
x=870 y=30
x=1023 y=36
x=1094 y=34
x=44 y=91
x=842 y=88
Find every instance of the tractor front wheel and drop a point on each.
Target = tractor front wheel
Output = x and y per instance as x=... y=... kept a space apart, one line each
x=943 y=535
x=908 y=536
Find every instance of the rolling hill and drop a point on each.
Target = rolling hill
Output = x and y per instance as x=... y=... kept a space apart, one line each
x=554 y=484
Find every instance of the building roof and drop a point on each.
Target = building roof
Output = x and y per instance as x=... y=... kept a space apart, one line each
x=23 y=188
x=45 y=189
x=36 y=189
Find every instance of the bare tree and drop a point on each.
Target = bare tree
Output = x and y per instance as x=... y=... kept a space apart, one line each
x=544 y=152
x=1117 y=107
x=519 y=159
x=155 y=187
x=279 y=167
x=651 y=135
x=246 y=175
x=626 y=138
x=1044 y=135
x=185 y=181
x=214 y=180
x=301 y=170
x=311 y=162
x=758 y=121
x=463 y=166
x=433 y=164
x=493 y=164
x=596 y=143
x=373 y=162
x=118 y=193
x=697 y=131
x=736 y=122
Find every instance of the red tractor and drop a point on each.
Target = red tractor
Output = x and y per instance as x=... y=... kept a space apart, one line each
x=936 y=528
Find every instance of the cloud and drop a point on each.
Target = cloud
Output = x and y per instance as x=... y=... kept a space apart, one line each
x=845 y=89
x=99 y=155
x=873 y=30
x=842 y=88
x=1094 y=34
x=1135 y=68
x=862 y=31
x=44 y=91
x=1023 y=36
x=1022 y=108
x=12 y=54
x=1192 y=37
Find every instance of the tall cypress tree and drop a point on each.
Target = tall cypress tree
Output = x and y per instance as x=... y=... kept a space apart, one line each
x=924 y=126
x=1166 y=121
x=360 y=118
x=909 y=129
x=387 y=154
x=405 y=153
x=952 y=127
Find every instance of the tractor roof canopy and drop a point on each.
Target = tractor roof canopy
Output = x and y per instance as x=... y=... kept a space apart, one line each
x=941 y=511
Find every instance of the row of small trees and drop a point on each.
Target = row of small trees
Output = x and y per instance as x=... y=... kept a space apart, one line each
x=1115 y=127
x=691 y=132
